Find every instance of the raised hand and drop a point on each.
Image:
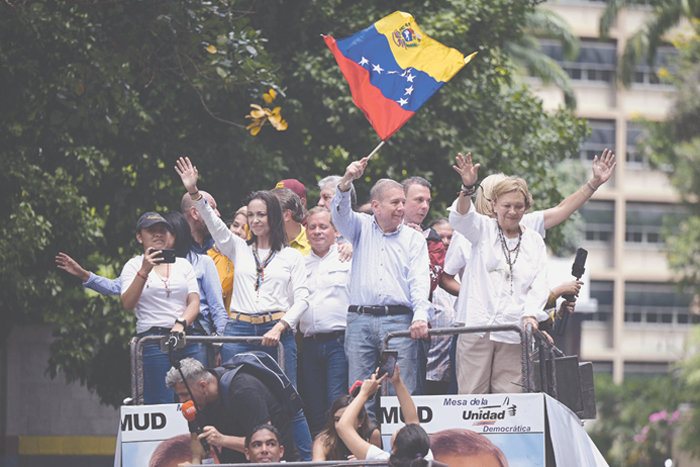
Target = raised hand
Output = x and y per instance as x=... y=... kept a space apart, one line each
x=68 y=264
x=466 y=169
x=188 y=173
x=603 y=169
x=353 y=172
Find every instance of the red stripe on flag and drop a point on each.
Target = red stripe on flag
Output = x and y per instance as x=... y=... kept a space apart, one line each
x=385 y=115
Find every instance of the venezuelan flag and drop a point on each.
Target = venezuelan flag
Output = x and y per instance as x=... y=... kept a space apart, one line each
x=393 y=69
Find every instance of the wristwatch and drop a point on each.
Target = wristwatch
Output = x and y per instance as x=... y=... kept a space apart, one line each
x=182 y=321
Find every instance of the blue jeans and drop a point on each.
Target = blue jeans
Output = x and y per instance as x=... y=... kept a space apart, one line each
x=324 y=377
x=452 y=389
x=363 y=343
x=156 y=365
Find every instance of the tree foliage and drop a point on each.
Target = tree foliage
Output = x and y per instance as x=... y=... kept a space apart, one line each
x=99 y=98
x=638 y=421
x=644 y=44
x=675 y=145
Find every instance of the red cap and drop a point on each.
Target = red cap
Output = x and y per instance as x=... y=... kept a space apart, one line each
x=295 y=185
x=189 y=411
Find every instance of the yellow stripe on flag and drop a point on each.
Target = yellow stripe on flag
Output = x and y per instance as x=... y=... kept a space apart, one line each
x=424 y=54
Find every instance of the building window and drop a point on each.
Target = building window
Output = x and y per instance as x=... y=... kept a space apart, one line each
x=644 y=75
x=599 y=218
x=602 y=137
x=649 y=303
x=644 y=222
x=603 y=291
x=635 y=158
x=596 y=62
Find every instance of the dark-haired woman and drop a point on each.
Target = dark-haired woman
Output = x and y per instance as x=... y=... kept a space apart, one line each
x=269 y=287
x=212 y=313
x=329 y=447
x=410 y=445
x=165 y=298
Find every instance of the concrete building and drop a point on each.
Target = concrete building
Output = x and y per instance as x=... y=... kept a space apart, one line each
x=641 y=322
x=44 y=421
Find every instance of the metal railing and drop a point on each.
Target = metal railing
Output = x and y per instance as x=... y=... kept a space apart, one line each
x=136 y=347
x=528 y=337
x=546 y=351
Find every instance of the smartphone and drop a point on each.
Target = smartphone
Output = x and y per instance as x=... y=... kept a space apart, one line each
x=387 y=363
x=355 y=389
x=167 y=255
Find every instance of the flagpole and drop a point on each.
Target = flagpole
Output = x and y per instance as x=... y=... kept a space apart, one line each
x=376 y=149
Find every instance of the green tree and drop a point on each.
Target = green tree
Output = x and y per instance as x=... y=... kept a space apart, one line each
x=644 y=44
x=638 y=421
x=675 y=144
x=99 y=98
x=527 y=54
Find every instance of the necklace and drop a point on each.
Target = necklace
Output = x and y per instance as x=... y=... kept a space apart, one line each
x=260 y=267
x=165 y=281
x=507 y=252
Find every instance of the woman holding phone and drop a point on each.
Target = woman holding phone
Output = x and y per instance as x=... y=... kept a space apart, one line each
x=165 y=298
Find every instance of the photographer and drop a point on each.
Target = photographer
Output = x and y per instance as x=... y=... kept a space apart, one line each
x=165 y=298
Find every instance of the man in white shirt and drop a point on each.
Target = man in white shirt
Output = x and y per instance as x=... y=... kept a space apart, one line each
x=390 y=279
x=323 y=366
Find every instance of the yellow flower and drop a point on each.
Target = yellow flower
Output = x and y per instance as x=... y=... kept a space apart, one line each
x=269 y=97
x=262 y=115
x=211 y=49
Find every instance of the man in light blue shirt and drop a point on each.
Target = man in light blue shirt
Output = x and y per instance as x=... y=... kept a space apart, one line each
x=390 y=280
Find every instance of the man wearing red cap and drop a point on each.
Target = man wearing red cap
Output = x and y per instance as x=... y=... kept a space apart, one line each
x=297 y=187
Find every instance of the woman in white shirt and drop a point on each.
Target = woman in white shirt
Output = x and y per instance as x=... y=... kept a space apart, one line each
x=269 y=287
x=506 y=282
x=165 y=298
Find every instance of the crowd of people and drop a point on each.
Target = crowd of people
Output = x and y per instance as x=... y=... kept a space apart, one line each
x=326 y=285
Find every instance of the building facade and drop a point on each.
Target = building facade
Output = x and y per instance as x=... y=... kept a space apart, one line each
x=642 y=321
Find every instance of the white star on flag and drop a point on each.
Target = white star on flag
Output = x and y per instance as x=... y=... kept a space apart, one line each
x=408 y=91
x=363 y=62
x=377 y=68
x=402 y=102
x=409 y=78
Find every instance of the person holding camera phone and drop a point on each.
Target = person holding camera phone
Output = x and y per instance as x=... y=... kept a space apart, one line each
x=410 y=445
x=165 y=298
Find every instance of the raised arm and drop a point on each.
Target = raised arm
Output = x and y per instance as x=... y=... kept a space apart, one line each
x=602 y=170
x=224 y=238
x=346 y=425
x=71 y=266
x=470 y=175
x=346 y=221
x=408 y=408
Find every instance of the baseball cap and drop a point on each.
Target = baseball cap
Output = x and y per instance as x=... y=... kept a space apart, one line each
x=295 y=185
x=148 y=219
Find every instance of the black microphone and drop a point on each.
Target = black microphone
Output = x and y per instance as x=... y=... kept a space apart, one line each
x=577 y=271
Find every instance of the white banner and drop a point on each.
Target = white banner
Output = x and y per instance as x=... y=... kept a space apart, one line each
x=487 y=413
x=513 y=423
x=150 y=432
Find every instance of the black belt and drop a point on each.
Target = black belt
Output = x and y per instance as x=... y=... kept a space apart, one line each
x=380 y=310
x=327 y=337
